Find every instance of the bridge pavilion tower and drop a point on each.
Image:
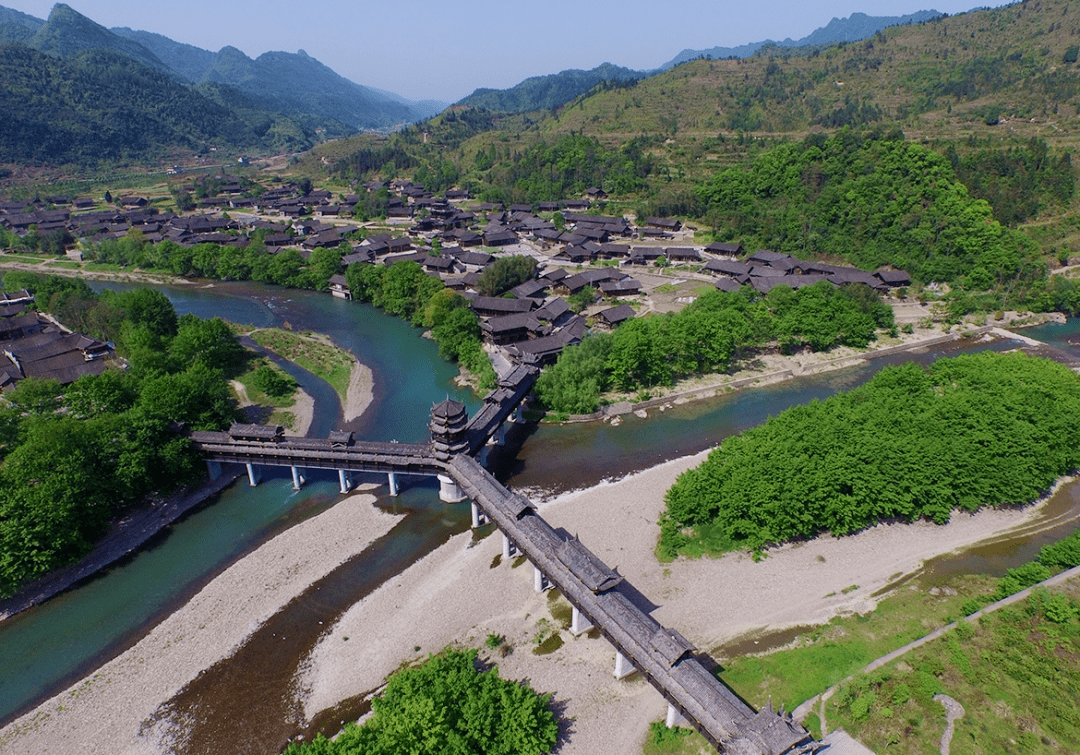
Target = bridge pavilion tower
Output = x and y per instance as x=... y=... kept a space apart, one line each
x=449 y=421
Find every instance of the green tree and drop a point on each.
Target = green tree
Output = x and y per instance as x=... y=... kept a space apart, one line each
x=448 y=706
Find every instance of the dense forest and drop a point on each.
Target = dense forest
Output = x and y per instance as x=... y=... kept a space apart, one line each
x=74 y=457
x=872 y=200
x=979 y=430
x=101 y=106
x=710 y=335
x=447 y=705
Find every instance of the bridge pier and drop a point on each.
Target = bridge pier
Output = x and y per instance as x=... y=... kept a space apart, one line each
x=346 y=483
x=578 y=623
x=449 y=491
x=253 y=476
x=391 y=480
x=510 y=548
x=623 y=666
x=297 y=478
x=479 y=518
x=540 y=581
x=675 y=718
x=213 y=468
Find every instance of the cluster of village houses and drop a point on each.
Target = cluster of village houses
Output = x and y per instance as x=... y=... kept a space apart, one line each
x=33 y=344
x=448 y=235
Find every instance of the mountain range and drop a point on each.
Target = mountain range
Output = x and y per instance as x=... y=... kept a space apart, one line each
x=291 y=84
x=851 y=29
x=277 y=101
x=543 y=92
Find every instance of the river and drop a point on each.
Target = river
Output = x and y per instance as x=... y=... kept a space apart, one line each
x=52 y=645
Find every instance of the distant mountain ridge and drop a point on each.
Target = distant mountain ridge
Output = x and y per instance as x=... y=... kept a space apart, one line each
x=553 y=90
x=290 y=83
x=851 y=29
x=294 y=85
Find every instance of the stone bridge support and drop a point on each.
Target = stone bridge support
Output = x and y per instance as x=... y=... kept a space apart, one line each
x=297 y=478
x=479 y=518
x=510 y=548
x=343 y=479
x=540 y=581
x=675 y=718
x=253 y=475
x=578 y=623
x=449 y=490
x=391 y=479
x=623 y=666
x=213 y=468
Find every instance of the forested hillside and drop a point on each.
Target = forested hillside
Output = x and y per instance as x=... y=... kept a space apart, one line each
x=100 y=105
x=552 y=91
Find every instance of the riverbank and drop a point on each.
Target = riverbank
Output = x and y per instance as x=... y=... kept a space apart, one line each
x=773 y=367
x=112 y=710
x=460 y=594
x=125 y=536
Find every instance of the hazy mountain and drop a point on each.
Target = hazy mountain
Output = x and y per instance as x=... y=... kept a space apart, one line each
x=855 y=27
x=542 y=92
x=102 y=106
x=295 y=85
x=67 y=32
x=187 y=60
x=9 y=16
x=290 y=83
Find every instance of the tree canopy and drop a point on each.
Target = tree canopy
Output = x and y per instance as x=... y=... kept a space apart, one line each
x=447 y=705
x=709 y=336
x=74 y=457
x=985 y=429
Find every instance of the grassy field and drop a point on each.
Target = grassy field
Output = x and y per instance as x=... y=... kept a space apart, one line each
x=1016 y=673
x=318 y=356
x=826 y=655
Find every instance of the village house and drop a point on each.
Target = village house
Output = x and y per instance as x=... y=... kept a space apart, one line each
x=609 y=319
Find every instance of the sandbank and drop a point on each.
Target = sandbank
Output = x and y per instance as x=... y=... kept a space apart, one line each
x=455 y=595
x=360 y=393
x=303 y=412
x=105 y=712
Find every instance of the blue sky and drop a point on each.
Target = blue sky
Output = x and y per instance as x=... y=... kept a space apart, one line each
x=423 y=49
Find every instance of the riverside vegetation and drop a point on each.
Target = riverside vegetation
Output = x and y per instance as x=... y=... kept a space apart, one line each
x=74 y=457
x=447 y=705
x=710 y=335
x=979 y=430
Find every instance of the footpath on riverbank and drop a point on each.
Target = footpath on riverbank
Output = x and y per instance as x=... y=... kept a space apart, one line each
x=804 y=710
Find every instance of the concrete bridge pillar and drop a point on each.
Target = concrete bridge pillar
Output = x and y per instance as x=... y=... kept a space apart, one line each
x=578 y=623
x=253 y=476
x=297 y=478
x=675 y=718
x=213 y=468
x=391 y=479
x=623 y=666
x=540 y=582
x=510 y=549
x=449 y=491
x=479 y=518
x=346 y=483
